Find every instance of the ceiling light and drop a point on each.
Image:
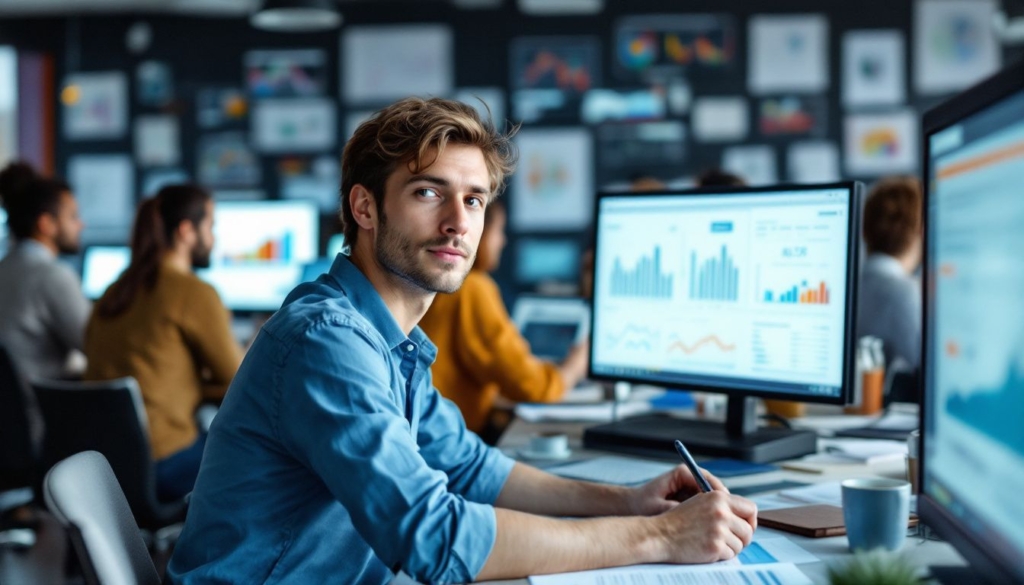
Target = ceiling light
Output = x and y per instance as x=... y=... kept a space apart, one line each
x=296 y=16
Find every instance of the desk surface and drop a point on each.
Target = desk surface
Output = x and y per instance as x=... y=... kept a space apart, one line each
x=831 y=551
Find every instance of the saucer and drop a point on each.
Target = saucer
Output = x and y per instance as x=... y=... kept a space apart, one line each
x=528 y=454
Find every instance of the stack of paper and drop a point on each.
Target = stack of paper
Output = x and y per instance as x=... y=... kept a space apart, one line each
x=614 y=470
x=600 y=412
x=680 y=574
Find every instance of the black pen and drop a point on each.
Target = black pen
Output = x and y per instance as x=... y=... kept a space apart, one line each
x=698 y=477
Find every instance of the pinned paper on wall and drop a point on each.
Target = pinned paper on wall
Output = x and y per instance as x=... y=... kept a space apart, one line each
x=225 y=160
x=157 y=142
x=154 y=84
x=813 y=162
x=385 y=63
x=792 y=115
x=313 y=179
x=754 y=164
x=294 y=125
x=105 y=189
x=873 y=70
x=954 y=44
x=553 y=187
x=878 y=144
x=651 y=46
x=720 y=119
x=610 y=105
x=549 y=75
x=286 y=73
x=157 y=179
x=483 y=99
x=95 y=106
x=788 y=54
x=220 y=106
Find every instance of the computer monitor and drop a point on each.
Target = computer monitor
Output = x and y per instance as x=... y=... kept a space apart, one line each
x=335 y=246
x=551 y=325
x=547 y=260
x=260 y=249
x=3 y=233
x=744 y=291
x=101 y=266
x=972 y=415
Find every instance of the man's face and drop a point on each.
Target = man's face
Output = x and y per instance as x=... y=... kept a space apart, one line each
x=69 y=225
x=204 y=240
x=431 y=221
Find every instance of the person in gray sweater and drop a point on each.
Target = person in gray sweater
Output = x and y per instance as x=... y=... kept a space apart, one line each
x=43 y=311
x=890 y=296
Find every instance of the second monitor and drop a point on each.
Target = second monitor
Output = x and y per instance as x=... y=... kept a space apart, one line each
x=748 y=292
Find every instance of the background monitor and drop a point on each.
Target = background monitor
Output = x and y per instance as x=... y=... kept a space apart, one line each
x=101 y=266
x=335 y=246
x=972 y=460
x=547 y=260
x=3 y=233
x=260 y=249
x=745 y=291
x=551 y=325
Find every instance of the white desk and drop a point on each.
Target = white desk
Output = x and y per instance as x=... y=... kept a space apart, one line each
x=831 y=551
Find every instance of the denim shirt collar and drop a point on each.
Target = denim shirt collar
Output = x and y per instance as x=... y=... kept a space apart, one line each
x=368 y=302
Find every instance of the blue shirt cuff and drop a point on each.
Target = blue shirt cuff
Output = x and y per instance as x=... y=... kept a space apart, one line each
x=491 y=478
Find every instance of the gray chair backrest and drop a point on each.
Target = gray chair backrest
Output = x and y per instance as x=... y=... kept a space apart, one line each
x=82 y=492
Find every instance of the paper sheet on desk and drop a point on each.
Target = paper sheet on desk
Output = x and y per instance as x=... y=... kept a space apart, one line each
x=600 y=412
x=680 y=575
x=857 y=451
x=613 y=470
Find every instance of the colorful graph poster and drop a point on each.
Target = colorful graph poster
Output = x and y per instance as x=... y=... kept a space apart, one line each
x=291 y=73
x=549 y=75
x=553 y=188
x=792 y=116
x=658 y=45
x=225 y=160
x=873 y=70
x=384 y=63
x=879 y=144
x=954 y=44
x=788 y=54
x=95 y=106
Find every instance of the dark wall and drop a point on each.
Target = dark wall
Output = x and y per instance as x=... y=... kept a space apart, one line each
x=204 y=52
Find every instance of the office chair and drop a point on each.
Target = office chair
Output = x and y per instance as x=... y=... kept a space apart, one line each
x=107 y=417
x=18 y=462
x=82 y=492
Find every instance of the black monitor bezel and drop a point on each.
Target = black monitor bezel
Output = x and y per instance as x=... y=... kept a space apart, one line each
x=982 y=556
x=856 y=190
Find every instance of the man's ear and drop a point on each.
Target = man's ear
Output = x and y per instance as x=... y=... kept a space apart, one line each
x=186 y=233
x=47 y=226
x=364 y=207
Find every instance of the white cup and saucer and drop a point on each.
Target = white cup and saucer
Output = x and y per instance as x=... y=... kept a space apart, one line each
x=549 y=445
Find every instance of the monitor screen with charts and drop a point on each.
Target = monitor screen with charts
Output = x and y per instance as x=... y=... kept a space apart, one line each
x=101 y=266
x=746 y=291
x=551 y=325
x=260 y=249
x=973 y=365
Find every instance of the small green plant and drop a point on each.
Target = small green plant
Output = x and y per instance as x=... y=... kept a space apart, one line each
x=874 y=568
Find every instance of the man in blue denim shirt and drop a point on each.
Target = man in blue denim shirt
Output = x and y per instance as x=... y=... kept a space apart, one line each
x=334 y=460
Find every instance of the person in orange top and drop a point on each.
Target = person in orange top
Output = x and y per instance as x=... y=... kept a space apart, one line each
x=480 y=353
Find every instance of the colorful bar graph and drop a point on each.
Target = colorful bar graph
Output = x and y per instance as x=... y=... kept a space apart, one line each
x=717 y=279
x=803 y=295
x=645 y=280
x=270 y=250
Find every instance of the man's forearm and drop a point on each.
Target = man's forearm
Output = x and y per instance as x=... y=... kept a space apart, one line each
x=531 y=490
x=534 y=545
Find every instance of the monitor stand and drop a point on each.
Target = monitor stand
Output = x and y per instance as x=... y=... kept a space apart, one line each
x=738 y=438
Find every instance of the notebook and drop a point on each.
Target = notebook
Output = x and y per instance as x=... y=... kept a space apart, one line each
x=815 y=521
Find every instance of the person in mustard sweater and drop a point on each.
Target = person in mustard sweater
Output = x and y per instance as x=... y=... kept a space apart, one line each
x=162 y=325
x=480 y=353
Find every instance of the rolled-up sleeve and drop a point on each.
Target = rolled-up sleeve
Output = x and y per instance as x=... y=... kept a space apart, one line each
x=345 y=423
x=475 y=470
